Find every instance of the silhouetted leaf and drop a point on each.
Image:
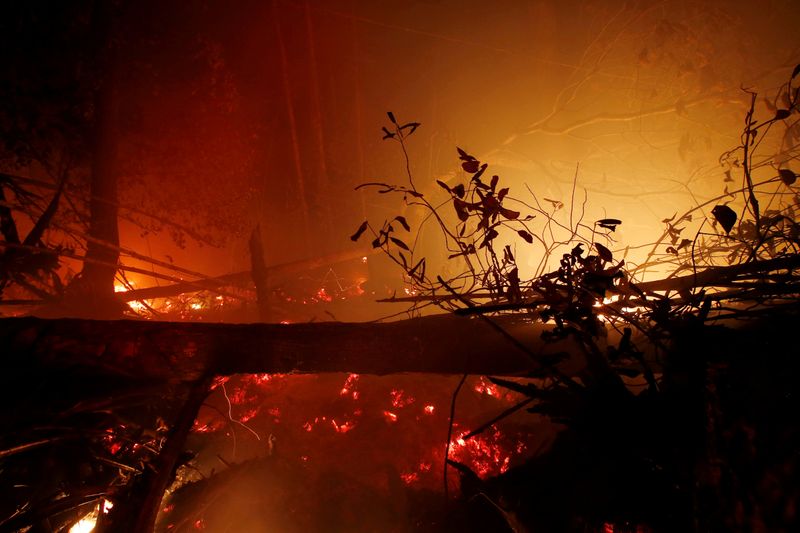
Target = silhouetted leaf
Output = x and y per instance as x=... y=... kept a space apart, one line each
x=671 y=250
x=502 y=194
x=479 y=173
x=507 y=255
x=796 y=71
x=361 y=229
x=728 y=177
x=387 y=134
x=725 y=216
x=525 y=235
x=464 y=156
x=400 y=243
x=557 y=204
x=461 y=209
x=605 y=253
x=391 y=117
x=684 y=243
x=609 y=223
x=443 y=185
x=491 y=234
x=787 y=176
x=493 y=183
x=577 y=251
x=471 y=166
x=412 y=125
x=670 y=219
x=509 y=214
x=781 y=114
x=402 y=221
x=419 y=270
x=459 y=190
x=376 y=243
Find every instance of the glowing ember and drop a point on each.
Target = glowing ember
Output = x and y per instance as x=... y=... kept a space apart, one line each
x=487 y=454
x=429 y=409
x=323 y=295
x=399 y=399
x=391 y=417
x=343 y=428
x=349 y=386
x=409 y=477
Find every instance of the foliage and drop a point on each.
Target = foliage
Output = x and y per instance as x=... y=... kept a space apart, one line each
x=621 y=328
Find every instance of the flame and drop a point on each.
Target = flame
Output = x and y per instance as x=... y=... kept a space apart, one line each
x=85 y=524
x=89 y=520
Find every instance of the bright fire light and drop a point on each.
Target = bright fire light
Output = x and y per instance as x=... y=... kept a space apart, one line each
x=85 y=524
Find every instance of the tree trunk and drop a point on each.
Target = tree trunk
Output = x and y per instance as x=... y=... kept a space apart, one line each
x=97 y=277
x=181 y=352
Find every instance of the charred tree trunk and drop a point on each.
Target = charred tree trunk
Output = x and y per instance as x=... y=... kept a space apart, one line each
x=96 y=288
x=184 y=352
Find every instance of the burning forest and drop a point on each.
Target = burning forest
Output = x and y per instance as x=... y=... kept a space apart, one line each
x=323 y=266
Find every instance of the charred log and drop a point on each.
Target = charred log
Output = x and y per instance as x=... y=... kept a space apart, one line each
x=180 y=352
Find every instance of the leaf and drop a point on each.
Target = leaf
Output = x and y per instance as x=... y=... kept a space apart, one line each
x=670 y=219
x=671 y=250
x=471 y=166
x=502 y=194
x=391 y=117
x=796 y=71
x=787 y=176
x=459 y=190
x=577 y=251
x=728 y=177
x=376 y=243
x=402 y=221
x=491 y=234
x=412 y=125
x=725 y=216
x=361 y=229
x=557 y=204
x=609 y=223
x=493 y=183
x=461 y=209
x=605 y=253
x=507 y=255
x=479 y=173
x=508 y=213
x=525 y=235
x=781 y=114
x=684 y=243
x=413 y=272
x=400 y=243
x=464 y=156
x=388 y=134
x=443 y=185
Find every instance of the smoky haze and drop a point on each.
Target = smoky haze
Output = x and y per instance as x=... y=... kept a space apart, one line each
x=269 y=113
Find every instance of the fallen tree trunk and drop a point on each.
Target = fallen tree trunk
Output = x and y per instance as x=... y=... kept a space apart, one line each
x=241 y=279
x=180 y=352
